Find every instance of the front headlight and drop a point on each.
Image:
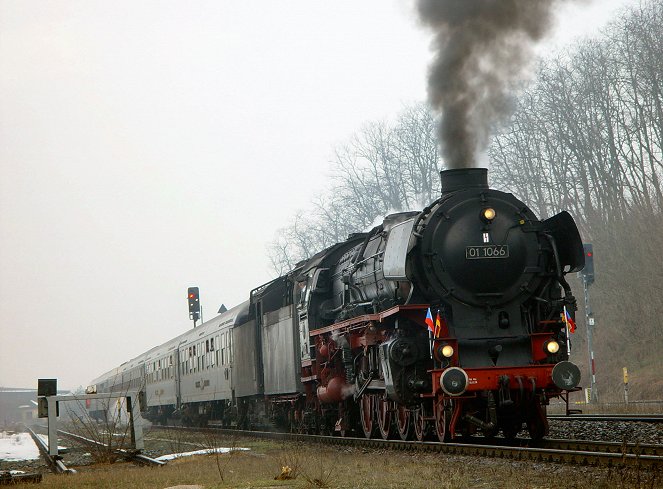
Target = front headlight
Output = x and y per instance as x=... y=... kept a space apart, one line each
x=447 y=351
x=488 y=214
x=552 y=347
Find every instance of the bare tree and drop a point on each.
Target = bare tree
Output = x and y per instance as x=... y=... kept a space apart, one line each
x=384 y=168
x=587 y=137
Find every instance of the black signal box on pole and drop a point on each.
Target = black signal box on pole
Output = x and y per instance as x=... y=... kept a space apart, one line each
x=193 y=296
x=587 y=273
x=46 y=388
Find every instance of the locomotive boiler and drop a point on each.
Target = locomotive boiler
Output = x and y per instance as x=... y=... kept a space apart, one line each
x=443 y=322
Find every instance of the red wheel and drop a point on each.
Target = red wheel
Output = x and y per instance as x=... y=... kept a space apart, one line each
x=420 y=423
x=384 y=408
x=404 y=422
x=366 y=414
x=441 y=422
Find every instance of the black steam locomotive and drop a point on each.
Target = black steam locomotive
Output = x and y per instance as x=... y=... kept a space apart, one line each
x=440 y=323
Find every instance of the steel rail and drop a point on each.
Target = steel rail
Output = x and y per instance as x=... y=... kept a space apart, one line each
x=598 y=446
x=643 y=418
x=126 y=454
x=583 y=453
x=54 y=462
x=581 y=445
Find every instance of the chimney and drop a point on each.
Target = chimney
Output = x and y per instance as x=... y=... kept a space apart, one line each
x=463 y=178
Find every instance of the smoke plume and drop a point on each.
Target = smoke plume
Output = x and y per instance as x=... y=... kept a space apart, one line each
x=481 y=47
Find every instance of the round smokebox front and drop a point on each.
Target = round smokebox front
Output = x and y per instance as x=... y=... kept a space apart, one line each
x=480 y=252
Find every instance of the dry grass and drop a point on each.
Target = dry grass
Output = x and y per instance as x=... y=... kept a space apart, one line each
x=328 y=467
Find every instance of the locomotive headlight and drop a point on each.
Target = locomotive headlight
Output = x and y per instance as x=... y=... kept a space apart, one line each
x=488 y=214
x=447 y=351
x=552 y=347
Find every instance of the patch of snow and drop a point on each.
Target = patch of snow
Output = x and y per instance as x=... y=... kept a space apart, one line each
x=208 y=451
x=17 y=446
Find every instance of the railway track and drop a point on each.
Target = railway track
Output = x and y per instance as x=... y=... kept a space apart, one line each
x=129 y=455
x=643 y=418
x=54 y=461
x=57 y=465
x=559 y=451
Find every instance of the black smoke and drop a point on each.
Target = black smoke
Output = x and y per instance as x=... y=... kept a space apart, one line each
x=481 y=48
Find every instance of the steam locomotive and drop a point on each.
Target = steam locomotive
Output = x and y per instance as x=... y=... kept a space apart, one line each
x=441 y=323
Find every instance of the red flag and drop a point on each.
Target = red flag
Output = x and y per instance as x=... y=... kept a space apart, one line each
x=438 y=325
x=429 y=321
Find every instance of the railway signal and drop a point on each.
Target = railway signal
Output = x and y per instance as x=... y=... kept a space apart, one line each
x=193 y=296
x=587 y=273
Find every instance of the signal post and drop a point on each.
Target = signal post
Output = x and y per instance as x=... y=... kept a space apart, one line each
x=587 y=275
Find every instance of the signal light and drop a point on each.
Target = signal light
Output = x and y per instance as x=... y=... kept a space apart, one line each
x=194 y=301
x=587 y=273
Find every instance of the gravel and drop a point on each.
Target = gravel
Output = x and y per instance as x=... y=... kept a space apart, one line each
x=615 y=431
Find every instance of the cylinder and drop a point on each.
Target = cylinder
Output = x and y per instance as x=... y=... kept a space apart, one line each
x=335 y=390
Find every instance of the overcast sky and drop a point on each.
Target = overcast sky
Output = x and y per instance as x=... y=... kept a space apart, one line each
x=149 y=146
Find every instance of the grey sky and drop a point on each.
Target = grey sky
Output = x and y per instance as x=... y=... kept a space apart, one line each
x=149 y=146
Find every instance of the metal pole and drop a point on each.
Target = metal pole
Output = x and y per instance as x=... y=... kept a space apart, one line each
x=52 y=426
x=589 y=326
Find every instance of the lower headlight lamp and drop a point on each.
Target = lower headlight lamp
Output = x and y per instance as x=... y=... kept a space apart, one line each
x=447 y=351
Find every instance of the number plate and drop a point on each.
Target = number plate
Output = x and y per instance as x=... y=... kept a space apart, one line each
x=489 y=251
